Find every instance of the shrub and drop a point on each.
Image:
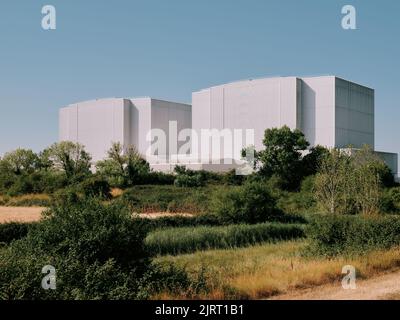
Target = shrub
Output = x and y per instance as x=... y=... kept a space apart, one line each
x=387 y=202
x=184 y=240
x=189 y=178
x=189 y=181
x=299 y=202
x=13 y=231
x=251 y=203
x=332 y=235
x=97 y=250
x=96 y=186
x=65 y=196
x=231 y=178
x=148 y=198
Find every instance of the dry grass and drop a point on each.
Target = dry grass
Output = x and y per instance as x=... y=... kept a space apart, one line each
x=391 y=296
x=266 y=270
x=116 y=192
x=28 y=200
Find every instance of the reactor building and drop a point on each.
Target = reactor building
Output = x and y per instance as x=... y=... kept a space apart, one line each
x=330 y=111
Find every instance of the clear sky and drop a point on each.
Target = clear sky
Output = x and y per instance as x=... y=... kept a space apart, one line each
x=169 y=48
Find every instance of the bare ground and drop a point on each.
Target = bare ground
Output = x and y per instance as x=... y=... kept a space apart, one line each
x=20 y=214
x=383 y=287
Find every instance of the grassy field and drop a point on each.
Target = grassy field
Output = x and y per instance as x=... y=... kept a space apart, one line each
x=266 y=270
x=191 y=239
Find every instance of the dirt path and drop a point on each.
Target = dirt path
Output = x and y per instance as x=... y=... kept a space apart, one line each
x=384 y=287
x=20 y=214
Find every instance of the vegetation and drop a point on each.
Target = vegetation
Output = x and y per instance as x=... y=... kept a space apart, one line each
x=13 y=231
x=153 y=198
x=333 y=235
x=266 y=270
x=97 y=251
x=344 y=203
x=283 y=157
x=250 y=203
x=349 y=183
x=183 y=240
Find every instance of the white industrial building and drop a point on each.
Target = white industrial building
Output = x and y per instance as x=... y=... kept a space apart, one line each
x=330 y=111
x=98 y=123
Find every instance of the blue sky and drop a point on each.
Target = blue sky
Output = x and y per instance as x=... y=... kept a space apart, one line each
x=167 y=49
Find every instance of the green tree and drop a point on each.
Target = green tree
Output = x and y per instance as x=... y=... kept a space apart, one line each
x=351 y=181
x=332 y=182
x=20 y=161
x=137 y=168
x=367 y=179
x=312 y=160
x=124 y=166
x=282 y=155
x=69 y=157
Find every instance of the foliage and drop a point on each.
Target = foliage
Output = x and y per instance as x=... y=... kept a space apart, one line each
x=250 y=203
x=333 y=235
x=333 y=184
x=189 y=178
x=97 y=250
x=184 y=240
x=312 y=160
x=124 y=166
x=161 y=198
x=13 y=231
x=20 y=161
x=282 y=155
x=351 y=182
x=69 y=157
x=96 y=186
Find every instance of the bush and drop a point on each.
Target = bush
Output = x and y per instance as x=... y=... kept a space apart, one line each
x=251 y=203
x=189 y=178
x=96 y=186
x=333 y=235
x=97 y=251
x=66 y=196
x=149 y=198
x=231 y=178
x=13 y=231
x=298 y=202
x=185 y=240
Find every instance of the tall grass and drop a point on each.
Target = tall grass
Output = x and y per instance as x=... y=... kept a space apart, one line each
x=183 y=240
x=165 y=198
x=28 y=200
x=266 y=270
